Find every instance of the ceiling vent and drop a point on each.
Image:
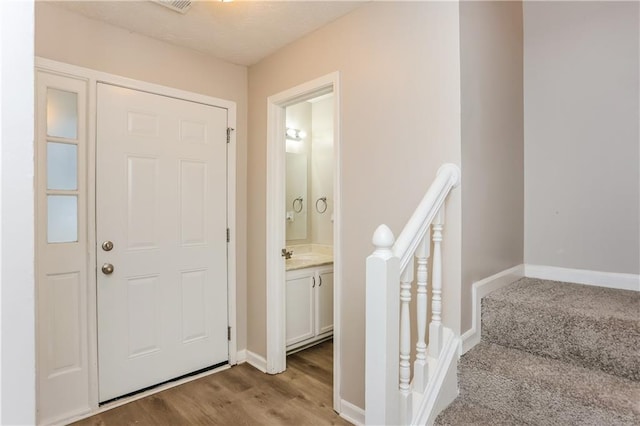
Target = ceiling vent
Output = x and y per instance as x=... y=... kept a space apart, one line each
x=181 y=6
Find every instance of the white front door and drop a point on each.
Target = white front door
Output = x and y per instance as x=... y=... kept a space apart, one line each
x=161 y=195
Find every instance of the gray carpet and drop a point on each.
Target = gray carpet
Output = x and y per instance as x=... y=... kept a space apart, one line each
x=552 y=354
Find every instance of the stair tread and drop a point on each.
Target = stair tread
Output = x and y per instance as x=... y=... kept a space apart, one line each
x=583 y=299
x=566 y=384
x=595 y=327
x=463 y=412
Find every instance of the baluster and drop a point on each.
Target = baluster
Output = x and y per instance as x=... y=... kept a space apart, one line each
x=405 y=344
x=420 y=366
x=435 y=327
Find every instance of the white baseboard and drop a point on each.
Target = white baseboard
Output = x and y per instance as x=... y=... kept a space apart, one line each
x=256 y=361
x=241 y=356
x=584 y=276
x=351 y=413
x=479 y=290
x=442 y=387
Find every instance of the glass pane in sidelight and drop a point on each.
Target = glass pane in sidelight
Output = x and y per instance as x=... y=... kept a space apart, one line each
x=62 y=166
x=62 y=218
x=62 y=113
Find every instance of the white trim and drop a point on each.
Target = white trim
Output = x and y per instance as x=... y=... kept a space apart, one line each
x=337 y=247
x=232 y=244
x=442 y=387
x=583 y=276
x=275 y=269
x=256 y=361
x=92 y=279
x=241 y=356
x=479 y=290
x=276 y=238
x=93 y=77
x=351 y=413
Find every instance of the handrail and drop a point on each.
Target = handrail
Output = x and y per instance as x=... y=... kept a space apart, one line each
x=393 y=390
x=447 y=178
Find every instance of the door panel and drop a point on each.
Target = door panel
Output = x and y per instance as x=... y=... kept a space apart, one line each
x=193 y=195
x=194 y=326
x=299 y=302
x=161 y=199
x=325 y=302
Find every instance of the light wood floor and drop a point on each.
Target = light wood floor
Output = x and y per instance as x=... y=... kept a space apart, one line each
x=242 y=395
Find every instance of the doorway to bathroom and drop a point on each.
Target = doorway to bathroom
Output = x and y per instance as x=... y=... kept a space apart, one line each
x=303 y=225
x=309 y=206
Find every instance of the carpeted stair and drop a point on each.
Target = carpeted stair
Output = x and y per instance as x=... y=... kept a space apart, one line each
x=552 y=354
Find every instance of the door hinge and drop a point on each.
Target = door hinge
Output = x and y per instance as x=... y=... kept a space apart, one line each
x=229 y=130
x=228 y=235
x=229 y=333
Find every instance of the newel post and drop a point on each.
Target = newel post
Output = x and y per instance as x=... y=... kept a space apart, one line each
x=382 y=331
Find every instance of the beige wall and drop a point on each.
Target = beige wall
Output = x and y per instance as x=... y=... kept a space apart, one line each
x=492 y=142
x=68 y=37
x=322 y=171
x=400 y=104
x=582 y=181
x=297 y=182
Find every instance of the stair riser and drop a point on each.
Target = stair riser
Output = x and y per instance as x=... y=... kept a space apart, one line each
x=609 y=345
x=533 y=404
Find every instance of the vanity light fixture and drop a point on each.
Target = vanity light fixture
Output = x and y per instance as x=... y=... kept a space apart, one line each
x=296 y=134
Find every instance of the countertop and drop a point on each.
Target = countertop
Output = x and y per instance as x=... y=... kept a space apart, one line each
x=308 y=260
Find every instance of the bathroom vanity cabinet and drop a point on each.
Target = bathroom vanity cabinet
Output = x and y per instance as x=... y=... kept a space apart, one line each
x=309 y=315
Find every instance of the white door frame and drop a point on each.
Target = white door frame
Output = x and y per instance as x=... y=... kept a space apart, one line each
x=276 y=235
x=93 y=77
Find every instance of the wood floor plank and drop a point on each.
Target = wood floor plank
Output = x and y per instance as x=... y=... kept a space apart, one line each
x=160 y=412
x=311 y=388
x=241 y=395
x=202 y=410
x=318 y=372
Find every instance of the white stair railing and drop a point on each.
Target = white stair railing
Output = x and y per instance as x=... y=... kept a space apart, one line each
x=392 y=394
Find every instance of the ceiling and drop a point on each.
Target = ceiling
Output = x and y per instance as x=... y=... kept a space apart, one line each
x=240 y=32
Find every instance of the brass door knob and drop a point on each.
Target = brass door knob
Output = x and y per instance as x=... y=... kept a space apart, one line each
x=107 y=246
x=107 y=269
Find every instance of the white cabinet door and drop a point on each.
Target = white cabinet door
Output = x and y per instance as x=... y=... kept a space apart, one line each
x=324 y=301
x=162 y=201
x=300 y=303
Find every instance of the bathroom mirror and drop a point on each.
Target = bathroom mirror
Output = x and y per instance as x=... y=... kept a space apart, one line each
x=309 y=171
x=296 y=196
